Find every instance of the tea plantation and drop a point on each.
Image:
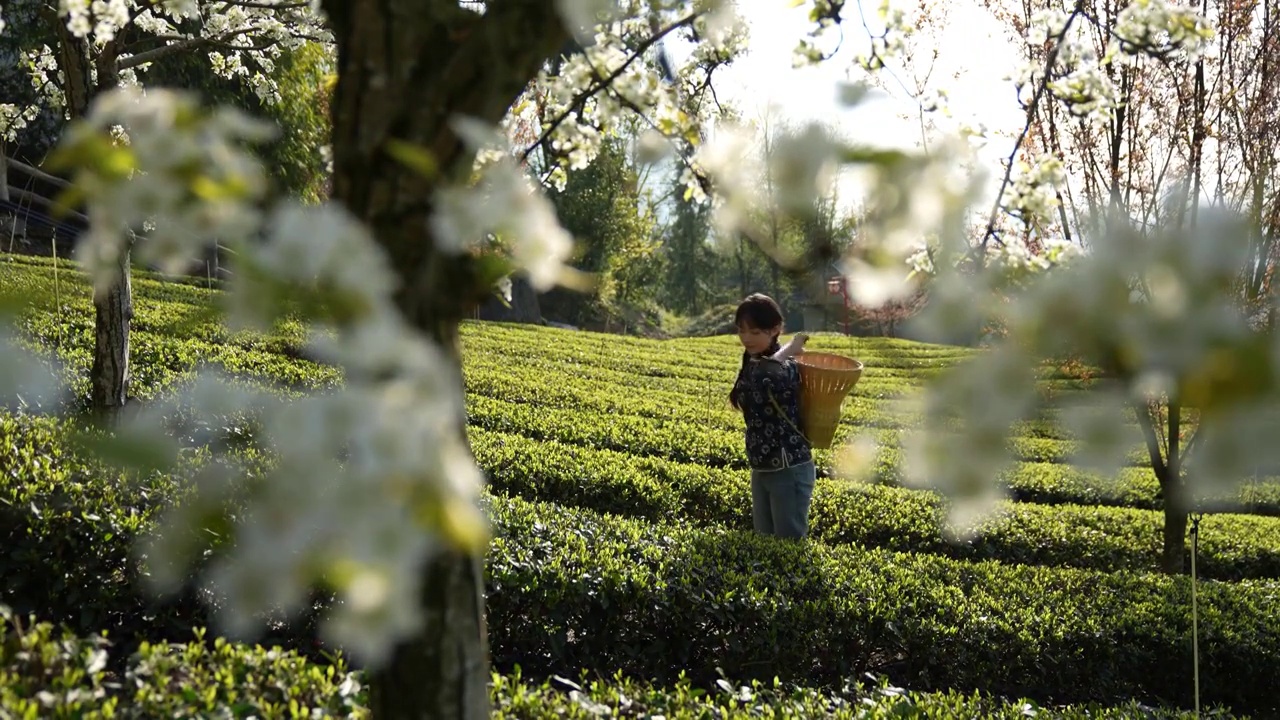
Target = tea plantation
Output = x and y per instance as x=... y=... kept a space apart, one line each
x=623 y=578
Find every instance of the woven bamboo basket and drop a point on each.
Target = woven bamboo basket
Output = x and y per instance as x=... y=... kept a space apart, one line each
x=825 y=380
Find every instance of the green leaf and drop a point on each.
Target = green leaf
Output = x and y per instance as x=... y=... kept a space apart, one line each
x=414 y=157
x=490 y=267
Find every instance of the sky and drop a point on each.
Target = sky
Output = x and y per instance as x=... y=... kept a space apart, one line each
x=974 y=57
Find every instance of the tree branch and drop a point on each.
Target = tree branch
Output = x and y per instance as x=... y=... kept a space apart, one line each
x=162 y=52
x=1191 y=442
x=229 y=47
x=1143 y=412
x=182 y=44
x=1043 y=85
x=601 y=83
x=266 y=5
x=640 y=113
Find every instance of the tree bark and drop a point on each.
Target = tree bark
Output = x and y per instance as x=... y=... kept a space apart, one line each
x=444 y=671
x=1176 y=506
x=1168 y=471
x=76 y=64
x=113 y=315
x=4 y=175
x=405 y=71
x=1173 y=558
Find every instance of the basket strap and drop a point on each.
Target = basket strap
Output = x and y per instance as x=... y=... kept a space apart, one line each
x=783 y=413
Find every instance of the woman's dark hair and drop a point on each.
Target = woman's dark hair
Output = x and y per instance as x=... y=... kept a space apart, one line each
x=758 y=311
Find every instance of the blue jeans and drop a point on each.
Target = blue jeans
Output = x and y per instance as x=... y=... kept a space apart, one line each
x=780 y=500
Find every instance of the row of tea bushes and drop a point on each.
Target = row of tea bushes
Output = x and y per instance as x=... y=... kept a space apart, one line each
x=570 y=588
x=48 y=672
x=689 y=441
x=1232 y=547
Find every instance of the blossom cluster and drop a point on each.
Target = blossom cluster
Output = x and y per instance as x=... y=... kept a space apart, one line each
x=591 y=91
x=100 y=20
x=1159 y=312
x=1158 y=26
x=186 y=176
x=1078 y=74
x=504 y=207
x=891 y=42
x=42 y=66
x=14 y=119
x=1157 y=299
x=367 y=480
x=1031 y=196
x=241 y=39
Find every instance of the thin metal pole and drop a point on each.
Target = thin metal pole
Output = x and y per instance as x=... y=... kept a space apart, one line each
x=57 y=292
x=1195 y=616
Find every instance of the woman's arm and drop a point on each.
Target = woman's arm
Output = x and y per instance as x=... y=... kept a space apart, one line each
x=794 y=347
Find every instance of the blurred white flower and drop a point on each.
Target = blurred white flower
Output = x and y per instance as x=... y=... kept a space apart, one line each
x=1103 y=431
x=25 y=378
x=803 y=167
x=509 y=205
x=189 y=176
x=581 y=17
x=963 y=447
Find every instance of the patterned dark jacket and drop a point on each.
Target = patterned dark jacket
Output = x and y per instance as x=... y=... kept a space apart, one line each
x=772 y=442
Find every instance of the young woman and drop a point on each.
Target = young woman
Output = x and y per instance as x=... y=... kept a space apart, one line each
x=767 y=392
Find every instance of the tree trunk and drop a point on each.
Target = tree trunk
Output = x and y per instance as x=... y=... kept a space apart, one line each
x=1174 y=557
x=109 y=376
x=444 y=671
x=1176 y=506
x=405 y=70
x=113 y=313
x=4 y=175
x=76 y=64
x=1167 y=467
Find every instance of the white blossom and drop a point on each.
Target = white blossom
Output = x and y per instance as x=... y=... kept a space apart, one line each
x=988 y=395
x=505 y=203
x=185 y=174
x=368 y=479
x=249 y=37
x=14 y=119
x=586 y=109
x=1158 y=24
x=1102 y=431
x=729 y=159
x=25 y=378
x=803 y=167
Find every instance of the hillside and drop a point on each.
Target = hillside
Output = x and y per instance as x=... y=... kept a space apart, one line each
x=621 y=506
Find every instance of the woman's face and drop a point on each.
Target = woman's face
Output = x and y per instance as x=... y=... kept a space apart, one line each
x=755 y=340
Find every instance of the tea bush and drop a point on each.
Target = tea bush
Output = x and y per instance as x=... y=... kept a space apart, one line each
x=620 y=502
